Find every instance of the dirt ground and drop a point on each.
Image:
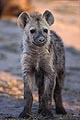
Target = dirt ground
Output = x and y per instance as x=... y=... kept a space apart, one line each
x=11 y=98
x=11 y=83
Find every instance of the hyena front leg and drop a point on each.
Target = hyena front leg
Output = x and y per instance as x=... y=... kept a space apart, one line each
x=57 y=93
x=49 y=83
x=28 y=98
x=40 y=84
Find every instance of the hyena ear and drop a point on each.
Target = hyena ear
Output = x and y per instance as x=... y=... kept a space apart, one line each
x=23 y=19
x=48 y=17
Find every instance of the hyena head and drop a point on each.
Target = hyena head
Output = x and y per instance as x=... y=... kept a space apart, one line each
x=36 y=27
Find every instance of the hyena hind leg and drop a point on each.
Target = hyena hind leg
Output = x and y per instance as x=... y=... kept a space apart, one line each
x=57 y=94
x=43 y=105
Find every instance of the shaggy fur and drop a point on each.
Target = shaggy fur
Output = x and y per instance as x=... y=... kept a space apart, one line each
x=42 y=63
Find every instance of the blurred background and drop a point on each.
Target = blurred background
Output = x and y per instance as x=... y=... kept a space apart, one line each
x=66 y=25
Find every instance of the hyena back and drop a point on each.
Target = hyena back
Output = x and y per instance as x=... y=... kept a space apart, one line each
x=43 y=58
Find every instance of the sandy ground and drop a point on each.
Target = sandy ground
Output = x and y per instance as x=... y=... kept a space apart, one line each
x=11 y=87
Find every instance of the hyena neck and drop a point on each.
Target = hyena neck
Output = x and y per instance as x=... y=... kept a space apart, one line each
x=37 y=51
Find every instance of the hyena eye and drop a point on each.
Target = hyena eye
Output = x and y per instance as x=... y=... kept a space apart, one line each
x=32 y=31
x=45 y=30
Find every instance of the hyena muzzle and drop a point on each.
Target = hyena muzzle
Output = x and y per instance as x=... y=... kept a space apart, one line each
x=43 y=58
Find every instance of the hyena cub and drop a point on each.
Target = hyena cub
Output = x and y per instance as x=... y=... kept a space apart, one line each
x=43 y=58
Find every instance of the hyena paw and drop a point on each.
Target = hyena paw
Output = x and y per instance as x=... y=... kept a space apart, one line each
x=45 y=112
x=40 y=110
x=24 y=115
x=61 y=110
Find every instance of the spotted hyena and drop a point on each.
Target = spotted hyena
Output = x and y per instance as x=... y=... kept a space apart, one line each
x=43 y=58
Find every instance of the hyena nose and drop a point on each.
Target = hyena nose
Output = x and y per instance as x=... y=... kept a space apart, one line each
x=41 y=39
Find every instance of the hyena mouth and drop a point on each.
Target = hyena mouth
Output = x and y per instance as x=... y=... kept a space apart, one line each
x=40 y=44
